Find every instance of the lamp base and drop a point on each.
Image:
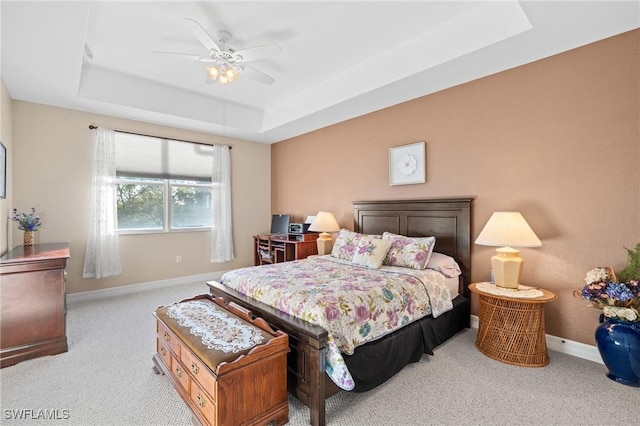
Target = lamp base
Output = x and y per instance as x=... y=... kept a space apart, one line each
x=507 y=266
x=324 y=243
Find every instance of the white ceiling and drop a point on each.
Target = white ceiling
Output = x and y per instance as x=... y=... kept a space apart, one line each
x=339 y=59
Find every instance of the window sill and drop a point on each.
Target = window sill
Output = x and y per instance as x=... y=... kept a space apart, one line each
x=160 y=231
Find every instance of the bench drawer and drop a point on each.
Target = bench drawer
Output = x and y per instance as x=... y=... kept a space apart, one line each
x=168 y=338
x=178 y=371
x=200 y=372
x=204 y=403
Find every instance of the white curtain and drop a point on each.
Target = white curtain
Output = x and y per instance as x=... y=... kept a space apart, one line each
x=102 y=258
x=221 y=228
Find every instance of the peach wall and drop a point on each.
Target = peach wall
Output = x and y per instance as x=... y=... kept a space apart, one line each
x=557 y=139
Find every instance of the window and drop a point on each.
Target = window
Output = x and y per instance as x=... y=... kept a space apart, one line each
x=163 y=185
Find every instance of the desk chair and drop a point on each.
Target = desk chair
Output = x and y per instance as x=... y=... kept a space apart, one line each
x=265 y=250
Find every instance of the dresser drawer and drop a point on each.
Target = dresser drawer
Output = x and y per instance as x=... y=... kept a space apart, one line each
x=204 y=403
x=167 y=336
x=200 y=372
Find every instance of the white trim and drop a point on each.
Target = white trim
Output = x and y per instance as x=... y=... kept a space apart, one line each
x=564 y=346
x=136 y=288
x=474 y=321
x=576 y=349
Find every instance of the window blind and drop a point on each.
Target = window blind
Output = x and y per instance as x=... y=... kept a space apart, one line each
x=152 y=157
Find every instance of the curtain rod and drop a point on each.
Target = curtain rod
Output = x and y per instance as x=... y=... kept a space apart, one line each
x=92 y=127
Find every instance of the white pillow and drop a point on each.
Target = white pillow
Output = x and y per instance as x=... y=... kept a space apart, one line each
x=370 y=252
x=444 y=264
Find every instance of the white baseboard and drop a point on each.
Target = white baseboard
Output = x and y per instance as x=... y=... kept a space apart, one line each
x=136 y=288
x=565 y=346
x=576 y=349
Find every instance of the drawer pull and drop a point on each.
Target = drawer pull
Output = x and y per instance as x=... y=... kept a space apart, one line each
x=166 y=336
x=194 y=368
x=163 y=351
x=178 y=372
x=201 y=401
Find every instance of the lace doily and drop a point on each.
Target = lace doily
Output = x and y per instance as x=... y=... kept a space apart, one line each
x=523 y=291
x=216 y=328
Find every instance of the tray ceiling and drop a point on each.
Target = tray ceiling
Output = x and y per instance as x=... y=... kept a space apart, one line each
x=339 y=59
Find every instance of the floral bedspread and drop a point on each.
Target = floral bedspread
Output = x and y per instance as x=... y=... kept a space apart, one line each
x=355 y=304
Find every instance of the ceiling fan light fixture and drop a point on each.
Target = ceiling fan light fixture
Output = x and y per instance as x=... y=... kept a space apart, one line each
x=223 y=74
x=213 y=72
x=231 y=74
x=223 y=60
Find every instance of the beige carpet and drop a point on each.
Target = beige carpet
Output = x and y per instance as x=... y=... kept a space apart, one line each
x=106 y=379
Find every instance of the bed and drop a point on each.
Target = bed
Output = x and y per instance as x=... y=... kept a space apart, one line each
x=448 y=220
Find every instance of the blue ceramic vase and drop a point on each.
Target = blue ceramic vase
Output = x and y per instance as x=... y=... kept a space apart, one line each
x=619 y=345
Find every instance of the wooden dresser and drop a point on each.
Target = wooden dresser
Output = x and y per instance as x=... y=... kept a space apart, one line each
x=33 y=309
x=222 y=381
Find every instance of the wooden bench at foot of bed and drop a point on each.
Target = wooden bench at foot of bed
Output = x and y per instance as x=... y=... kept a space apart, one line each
x=239 y=382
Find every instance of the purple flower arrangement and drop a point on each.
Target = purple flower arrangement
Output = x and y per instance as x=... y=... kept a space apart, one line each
x=27 y=221
x=619 y=300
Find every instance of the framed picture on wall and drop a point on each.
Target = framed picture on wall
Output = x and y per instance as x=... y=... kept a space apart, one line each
x=407 y=164
x=3 y=171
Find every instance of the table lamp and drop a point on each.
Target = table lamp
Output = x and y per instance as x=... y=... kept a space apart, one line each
x=324 y=223
x=507 y=230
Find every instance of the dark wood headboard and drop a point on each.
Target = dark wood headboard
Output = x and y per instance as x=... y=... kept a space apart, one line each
x=449 y=220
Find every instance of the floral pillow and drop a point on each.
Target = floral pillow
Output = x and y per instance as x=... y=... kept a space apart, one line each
x=409 y=252
x=370 y=251
x=345 y=245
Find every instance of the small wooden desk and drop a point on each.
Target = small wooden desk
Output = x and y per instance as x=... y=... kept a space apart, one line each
x=289 y=247
x=511 y=329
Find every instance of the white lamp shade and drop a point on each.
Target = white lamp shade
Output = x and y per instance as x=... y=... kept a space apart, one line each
x=324 y=222
x=507 y=229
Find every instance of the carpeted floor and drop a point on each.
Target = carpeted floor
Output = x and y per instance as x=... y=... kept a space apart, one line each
x=106 y=379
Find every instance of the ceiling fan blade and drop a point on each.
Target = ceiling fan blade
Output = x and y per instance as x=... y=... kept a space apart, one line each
x=255 y=53
x=185 y=56
x=202 y=35
x=256 y=75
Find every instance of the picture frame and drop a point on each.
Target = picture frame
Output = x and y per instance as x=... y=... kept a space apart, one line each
x=407 y=164
x=3 y=171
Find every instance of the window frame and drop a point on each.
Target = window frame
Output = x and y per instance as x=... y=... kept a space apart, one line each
x=167 y=205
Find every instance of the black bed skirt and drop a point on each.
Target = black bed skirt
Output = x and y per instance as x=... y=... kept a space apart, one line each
x=375 y=362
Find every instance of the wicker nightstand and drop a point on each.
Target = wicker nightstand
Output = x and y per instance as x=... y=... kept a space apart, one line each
x=511 y=328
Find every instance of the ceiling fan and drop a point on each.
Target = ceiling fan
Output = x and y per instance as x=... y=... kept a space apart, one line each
x=227 y=64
